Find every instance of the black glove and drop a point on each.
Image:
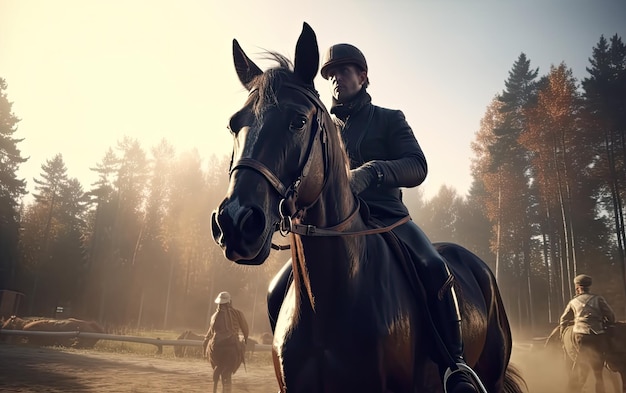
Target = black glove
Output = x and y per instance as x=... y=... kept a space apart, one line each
x=362 y=178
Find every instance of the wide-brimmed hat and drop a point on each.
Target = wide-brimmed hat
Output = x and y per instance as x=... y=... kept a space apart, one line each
x=222 y=298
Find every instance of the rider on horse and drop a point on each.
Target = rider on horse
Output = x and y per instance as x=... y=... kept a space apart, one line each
x=222 y=339
x=589 y=314
x=384 y=156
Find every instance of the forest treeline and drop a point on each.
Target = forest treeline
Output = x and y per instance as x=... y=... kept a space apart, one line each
x=135 y=248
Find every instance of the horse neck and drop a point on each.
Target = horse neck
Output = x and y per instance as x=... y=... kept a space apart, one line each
x=328 y=262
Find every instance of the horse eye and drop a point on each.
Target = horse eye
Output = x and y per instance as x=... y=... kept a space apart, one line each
x=298 y=123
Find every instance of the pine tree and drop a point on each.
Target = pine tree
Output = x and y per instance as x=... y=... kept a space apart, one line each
x=605 y=102
x=486 y=181
x=509 y=188
x=561 y=158
x=99 y=238
x=440 y=216
x=150 y=262
x=11 y=190
x=58 y=217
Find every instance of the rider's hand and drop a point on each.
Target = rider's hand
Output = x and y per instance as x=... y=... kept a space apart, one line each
x=362 y=178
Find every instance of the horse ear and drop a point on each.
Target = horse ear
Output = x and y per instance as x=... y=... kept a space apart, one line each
x=246 y=69
x=307 y=55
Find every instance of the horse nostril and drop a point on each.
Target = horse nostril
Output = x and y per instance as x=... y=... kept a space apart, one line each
x=218 y=234
x=251 y=224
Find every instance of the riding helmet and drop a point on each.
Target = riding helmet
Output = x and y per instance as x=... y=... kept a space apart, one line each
x=222 y=298
x=342 y=54
x=582 y=280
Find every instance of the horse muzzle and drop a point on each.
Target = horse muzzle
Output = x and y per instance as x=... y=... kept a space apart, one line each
x=242 y=233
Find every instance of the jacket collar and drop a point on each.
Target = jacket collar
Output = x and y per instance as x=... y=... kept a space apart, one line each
x=343 y=110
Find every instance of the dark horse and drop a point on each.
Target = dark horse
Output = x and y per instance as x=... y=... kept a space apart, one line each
x=351 y=321
x=616 y=350
x=225 y=358
x=579 y=364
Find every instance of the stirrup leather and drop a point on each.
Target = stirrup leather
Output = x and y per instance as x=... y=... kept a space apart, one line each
x=462 y=367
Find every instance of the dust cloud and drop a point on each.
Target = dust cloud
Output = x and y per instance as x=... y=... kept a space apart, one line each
x=544 y=370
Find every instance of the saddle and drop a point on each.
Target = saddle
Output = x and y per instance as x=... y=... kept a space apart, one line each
x=402 y=249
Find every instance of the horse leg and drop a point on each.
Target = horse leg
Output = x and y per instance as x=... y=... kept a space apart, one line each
x=584 y=375
x=577 y=377
x=597 y=365
x=227 y=382
x=597 y=372
x=216 y=377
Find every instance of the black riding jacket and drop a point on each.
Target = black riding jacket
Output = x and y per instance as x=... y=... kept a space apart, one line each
x=382 y=137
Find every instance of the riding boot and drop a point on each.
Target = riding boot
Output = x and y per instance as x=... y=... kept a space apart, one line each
x=447 y=318
x=277 y=291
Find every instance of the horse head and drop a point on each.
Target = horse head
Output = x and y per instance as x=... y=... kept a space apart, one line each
x=279 y=163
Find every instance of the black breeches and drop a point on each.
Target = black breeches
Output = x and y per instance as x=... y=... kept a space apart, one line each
x=430 y=266
x=432 y=270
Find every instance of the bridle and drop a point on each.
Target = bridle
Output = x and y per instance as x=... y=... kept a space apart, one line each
x=287 y=208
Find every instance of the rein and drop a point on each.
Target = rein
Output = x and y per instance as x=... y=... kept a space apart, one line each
x=313 y=231
x=287 y=226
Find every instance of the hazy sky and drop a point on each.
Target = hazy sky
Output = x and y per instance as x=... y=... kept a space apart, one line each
x=83 y=74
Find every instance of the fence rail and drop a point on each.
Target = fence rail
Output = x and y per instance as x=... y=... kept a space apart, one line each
x=158 y=342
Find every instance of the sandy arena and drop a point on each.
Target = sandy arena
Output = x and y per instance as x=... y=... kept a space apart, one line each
x=27 y=369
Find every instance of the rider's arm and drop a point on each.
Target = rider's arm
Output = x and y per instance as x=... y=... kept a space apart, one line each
x=607 y=311
x=211 y=330
x=243 y=324
x=406 y=167
x=567 y=317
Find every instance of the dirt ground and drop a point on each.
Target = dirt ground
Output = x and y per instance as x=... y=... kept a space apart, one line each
x=544 y=371
x=27 y=369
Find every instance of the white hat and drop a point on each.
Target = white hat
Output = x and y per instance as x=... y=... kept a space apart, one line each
x=223 y=297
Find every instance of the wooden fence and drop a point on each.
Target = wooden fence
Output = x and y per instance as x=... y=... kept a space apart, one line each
x=158 y=342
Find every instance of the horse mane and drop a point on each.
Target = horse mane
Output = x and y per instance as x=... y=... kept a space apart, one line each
x=263 y=96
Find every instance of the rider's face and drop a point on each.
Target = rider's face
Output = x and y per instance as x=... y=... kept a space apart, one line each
x=346 y=81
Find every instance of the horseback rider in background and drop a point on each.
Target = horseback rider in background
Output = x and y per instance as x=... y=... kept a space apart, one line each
x=222 y=344
x=589 y=314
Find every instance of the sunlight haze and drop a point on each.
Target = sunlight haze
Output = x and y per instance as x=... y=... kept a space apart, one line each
x=84 y=74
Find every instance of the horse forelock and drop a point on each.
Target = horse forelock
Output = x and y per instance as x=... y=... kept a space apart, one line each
x=264 y=88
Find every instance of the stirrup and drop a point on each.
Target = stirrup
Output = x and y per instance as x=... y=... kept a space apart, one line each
x=462 y=367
